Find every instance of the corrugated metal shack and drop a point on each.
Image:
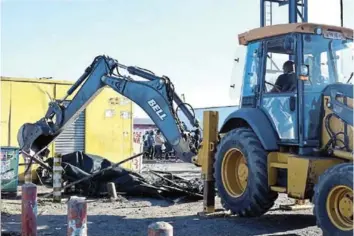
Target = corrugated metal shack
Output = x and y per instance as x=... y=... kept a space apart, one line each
x=104 y=128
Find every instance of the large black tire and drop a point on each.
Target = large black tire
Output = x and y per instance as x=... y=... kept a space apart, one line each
x=338 y=175
x=257 y=198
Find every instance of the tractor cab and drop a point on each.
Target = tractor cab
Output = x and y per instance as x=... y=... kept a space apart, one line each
x=286 y=72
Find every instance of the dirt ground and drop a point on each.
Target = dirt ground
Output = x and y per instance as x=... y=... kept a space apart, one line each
x=132 y=216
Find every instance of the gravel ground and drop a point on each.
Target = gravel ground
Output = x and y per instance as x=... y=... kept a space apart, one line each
x=132 y=216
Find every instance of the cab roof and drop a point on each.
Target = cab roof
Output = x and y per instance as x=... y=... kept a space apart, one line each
x=275 y=30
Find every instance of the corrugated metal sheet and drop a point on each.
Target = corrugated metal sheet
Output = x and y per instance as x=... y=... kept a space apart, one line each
x=72 y=138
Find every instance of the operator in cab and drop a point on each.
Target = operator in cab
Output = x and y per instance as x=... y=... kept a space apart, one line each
x=286 y=82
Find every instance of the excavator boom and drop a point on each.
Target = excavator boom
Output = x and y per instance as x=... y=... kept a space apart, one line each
x=155 y=95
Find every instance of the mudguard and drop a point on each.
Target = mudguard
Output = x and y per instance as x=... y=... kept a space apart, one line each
x=258 y=121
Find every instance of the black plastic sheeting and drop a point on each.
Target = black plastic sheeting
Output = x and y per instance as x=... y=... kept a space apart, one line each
x=78 y=165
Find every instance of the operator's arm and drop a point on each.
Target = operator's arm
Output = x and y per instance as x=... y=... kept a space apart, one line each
x=279 y=83
x=155 y=97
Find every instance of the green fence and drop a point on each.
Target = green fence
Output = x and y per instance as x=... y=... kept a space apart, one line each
x=9 y=169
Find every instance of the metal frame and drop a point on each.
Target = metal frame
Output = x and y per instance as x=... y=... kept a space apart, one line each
x=300 y=95
x=297 y=10
x=210 y=140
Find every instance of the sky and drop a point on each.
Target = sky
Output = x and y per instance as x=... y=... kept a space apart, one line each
x=192 y=42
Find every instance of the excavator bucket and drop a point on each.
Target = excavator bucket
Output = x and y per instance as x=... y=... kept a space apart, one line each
x=33 y=138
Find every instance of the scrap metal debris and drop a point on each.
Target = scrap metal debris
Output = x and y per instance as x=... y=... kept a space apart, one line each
x=88 y=175
x=192 y=188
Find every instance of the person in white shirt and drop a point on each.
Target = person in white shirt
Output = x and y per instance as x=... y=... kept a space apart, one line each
x=159 y=141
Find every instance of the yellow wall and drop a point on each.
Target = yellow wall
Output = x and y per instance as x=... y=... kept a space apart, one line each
x=24 y=100
x=110 y=134
x=5 y=112
x=61 y=89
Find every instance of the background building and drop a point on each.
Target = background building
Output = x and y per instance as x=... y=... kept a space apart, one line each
x=104 y=128
x=224 y=111
x=140 y=126
x=146 y=124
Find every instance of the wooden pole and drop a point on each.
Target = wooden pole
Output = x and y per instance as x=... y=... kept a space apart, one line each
x=111 y=188
x=29 y=210
x=77 y=216
x=57 y=177
x=160 y=229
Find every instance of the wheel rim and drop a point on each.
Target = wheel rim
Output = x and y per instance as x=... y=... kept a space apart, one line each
x=234 y=172
x=340 y=207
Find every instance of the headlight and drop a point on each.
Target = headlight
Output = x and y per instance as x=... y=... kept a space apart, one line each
x=304 y=70
x=318 y=30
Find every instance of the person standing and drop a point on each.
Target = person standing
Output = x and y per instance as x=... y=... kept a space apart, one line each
x=168 y=150
x=146 y=145
x=159 y=141
x=151 y=143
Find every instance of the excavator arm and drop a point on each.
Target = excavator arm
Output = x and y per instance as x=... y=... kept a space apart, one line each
x=155 y=95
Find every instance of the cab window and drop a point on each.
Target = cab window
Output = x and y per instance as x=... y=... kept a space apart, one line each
x=251 y=70
x=329 y=61
x=280 y=70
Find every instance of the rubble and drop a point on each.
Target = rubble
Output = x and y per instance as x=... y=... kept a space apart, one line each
x=88 y=175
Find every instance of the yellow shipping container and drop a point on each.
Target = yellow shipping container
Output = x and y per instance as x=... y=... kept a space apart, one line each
x=104 y=128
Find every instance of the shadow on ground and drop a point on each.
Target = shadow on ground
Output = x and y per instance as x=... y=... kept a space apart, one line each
x=110 y=225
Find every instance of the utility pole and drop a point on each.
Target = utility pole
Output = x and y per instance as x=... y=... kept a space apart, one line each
x=341 y=14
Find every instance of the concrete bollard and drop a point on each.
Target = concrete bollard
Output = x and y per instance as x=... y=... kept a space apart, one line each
x=77 y=216
x=111 y=187
x=29 y=210
x=160 y=229
x=57 y=176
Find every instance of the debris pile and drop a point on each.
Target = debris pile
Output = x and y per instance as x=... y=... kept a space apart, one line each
x=89 y=174
x=191 y=187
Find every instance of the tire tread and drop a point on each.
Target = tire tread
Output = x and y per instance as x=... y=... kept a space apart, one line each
x=345 y=170
x=262 y=198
